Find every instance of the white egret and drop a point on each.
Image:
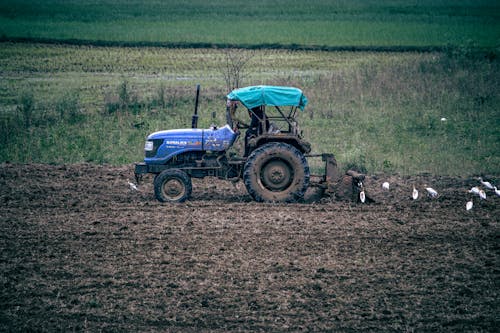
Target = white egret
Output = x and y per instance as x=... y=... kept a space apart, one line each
x=414 y=194
x=133 y=186
x=469 y=205
x=362 y=196
x=486 y=184
x=431 y=192
x=482 y=194
x=385 y=186
x=497 y=191
x=475 y=190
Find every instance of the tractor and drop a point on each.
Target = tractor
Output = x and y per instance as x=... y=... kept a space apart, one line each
x=274 y=166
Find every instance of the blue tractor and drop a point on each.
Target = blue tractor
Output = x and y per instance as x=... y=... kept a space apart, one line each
x=274 y=167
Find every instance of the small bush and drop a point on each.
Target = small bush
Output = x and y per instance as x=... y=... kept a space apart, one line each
x=26 y=106
x=159 y=100
x=123 y=101
x=10 y=128
x=357 y=163
x=123 y=96
x=68 y=108
x=111 y=104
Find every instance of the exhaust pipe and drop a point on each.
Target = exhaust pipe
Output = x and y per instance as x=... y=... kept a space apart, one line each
x=194 y=121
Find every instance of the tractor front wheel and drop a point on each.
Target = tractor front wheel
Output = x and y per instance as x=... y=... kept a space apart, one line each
x=276 y=172
x=172 y=185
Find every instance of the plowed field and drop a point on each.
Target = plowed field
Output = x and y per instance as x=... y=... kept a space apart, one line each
x=80 y=250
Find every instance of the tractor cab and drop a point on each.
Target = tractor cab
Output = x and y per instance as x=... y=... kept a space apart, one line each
x=272 y=113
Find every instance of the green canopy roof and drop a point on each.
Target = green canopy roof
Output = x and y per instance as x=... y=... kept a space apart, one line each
x=269 y=95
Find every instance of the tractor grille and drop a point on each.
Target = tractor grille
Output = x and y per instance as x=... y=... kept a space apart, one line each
x=156 y=144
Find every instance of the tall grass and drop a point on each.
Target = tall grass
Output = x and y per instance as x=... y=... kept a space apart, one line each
x=374 y=111
x=438 y=115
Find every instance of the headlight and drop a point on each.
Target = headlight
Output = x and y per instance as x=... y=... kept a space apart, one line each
x=148 y=146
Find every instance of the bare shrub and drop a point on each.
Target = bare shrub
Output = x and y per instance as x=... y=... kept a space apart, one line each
x=233 y=66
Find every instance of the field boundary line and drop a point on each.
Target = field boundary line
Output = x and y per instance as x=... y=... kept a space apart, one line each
x=204 y=45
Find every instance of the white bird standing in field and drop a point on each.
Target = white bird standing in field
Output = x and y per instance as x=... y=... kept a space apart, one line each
x=497 y=191
x=469 y=204
x=385 y=186
x=431 y=192
x=133 y=186
x=486 y=184
x=475 y=190
x=414 y=194
x=362 y=196
x=479 y=192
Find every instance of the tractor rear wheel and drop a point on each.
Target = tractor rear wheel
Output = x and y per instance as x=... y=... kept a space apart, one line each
x=276 y=172
x=172 y=185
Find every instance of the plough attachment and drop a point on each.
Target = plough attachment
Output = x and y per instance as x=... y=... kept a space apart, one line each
x=345 y=187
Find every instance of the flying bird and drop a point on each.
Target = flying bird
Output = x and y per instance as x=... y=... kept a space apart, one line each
x=133 y=186
x=486 y=184
x=469 y=204
x=431 y=192
x=414 y=194
x=385 y=185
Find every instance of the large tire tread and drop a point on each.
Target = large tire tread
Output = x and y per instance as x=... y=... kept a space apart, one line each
x=281 y=152
x=179 y=178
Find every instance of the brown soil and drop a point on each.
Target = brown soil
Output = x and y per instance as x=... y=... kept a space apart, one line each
x=82 y=251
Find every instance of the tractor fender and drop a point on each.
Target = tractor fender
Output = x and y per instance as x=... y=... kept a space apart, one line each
x=303 y=146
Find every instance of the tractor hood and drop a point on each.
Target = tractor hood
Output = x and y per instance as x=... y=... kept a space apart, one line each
x=254 y=96
x=162 y=146
x=177 y=134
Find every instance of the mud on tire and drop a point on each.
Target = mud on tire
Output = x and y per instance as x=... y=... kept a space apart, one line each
x=276 y=172
x=172 y=185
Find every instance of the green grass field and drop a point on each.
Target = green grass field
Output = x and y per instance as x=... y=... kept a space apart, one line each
x=77 y=101
x=375 y=111
x=260 y=22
